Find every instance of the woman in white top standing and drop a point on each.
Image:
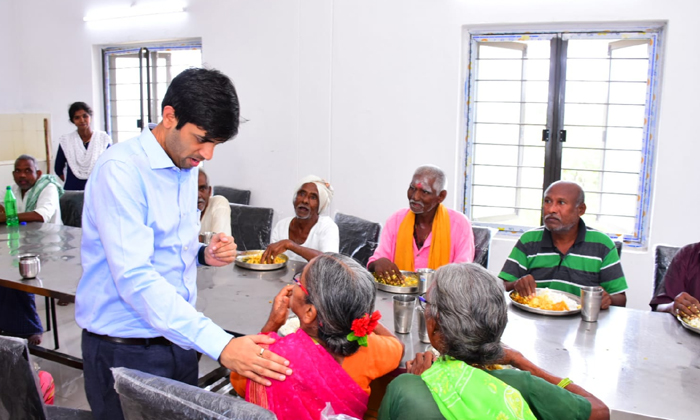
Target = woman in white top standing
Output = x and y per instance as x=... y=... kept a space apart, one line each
x=307 y=234
x=78 y=151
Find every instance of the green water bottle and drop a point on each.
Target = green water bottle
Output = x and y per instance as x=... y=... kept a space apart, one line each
x=11 y=208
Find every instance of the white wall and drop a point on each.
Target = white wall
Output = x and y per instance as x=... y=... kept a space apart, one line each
x=361 y=92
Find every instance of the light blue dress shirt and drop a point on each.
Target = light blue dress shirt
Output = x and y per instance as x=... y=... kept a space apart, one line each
x=139 y=250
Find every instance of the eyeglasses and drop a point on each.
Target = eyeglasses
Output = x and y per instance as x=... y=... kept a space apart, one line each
x=423 y=301
x=297 y=280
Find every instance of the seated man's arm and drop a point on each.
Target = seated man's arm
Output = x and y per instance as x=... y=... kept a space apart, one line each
x=680 y=272
x=612 y=279
x=328 y=241
x=463 y=248
x=46 y=206
x=221 y=215
x=515 y=272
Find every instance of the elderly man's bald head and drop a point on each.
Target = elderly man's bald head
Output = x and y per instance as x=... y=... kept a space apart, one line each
x=569 y=187
x=563 y=206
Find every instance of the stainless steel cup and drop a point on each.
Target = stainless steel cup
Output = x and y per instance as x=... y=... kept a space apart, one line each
x=591 y=297
x=426 y=277
x=207 y=237
x=29 y=266
x=422 y=327
x=404 y=306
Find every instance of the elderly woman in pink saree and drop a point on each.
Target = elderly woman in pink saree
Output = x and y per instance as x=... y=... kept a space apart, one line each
x=339 y=348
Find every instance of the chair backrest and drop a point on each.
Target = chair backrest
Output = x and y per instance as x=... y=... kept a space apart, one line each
x=618 y=246
x=72 y=208
x=251 y=227
x=358 y=237
x=663 y=255
x=482 y=243
x=233 y=195
x=148 y=397
x=19 y=385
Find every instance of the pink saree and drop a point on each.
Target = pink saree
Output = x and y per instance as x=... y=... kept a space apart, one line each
x=317 y=379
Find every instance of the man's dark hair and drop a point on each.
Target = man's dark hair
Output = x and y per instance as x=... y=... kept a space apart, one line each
x=77 y=106
x=26 y=157
x=207 y=99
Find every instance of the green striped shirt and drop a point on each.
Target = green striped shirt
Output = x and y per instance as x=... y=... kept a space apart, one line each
x=592 y=261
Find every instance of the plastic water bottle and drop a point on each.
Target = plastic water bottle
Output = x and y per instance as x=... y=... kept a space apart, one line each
x=11 y=208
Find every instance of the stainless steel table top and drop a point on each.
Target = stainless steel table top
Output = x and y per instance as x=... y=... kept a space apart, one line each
x=58 y=248
x=635 y=361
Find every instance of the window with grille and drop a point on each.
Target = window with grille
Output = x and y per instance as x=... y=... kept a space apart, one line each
x=136 y=79
x=574 y=106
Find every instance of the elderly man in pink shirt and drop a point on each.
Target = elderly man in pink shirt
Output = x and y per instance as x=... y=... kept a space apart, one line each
x=428 y=235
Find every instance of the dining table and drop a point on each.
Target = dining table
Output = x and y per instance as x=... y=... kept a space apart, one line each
x=642 y=364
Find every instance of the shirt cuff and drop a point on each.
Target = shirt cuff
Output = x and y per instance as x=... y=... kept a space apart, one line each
x=200 y=256
x=216 y=340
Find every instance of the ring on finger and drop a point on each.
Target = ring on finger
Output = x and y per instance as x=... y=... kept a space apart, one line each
x=262 y=350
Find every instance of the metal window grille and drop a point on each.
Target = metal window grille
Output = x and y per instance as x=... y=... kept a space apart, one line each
x=136 y=79
x=571 y=106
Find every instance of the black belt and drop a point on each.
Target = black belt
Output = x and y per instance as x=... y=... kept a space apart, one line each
x=155 y=341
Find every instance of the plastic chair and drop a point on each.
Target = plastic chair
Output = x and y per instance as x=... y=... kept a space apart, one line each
x=233 y=195
x=71 y=203
x=663 y=255
x=358 y=237
x=148 y=397
x=20 y=394
x=251 y=227
x=482 y=243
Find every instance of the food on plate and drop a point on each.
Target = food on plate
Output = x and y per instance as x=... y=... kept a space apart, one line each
x=408 y=280
x=693 y=321
x=548 y=300
x=255 y=259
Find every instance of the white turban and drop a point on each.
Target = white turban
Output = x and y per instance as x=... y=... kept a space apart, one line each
x=325 y=191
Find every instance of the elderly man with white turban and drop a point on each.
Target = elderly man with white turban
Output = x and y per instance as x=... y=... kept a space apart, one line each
x=307 y=234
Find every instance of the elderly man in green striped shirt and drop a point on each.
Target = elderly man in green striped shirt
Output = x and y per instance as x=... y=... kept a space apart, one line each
x=564 y=254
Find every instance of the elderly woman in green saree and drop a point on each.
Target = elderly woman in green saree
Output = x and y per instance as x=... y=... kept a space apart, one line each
x=466 y=315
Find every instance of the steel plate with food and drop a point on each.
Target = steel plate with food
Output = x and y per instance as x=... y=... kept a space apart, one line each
x=396 y=284
x=548 y=302
x=692 y=323
x=251 y=261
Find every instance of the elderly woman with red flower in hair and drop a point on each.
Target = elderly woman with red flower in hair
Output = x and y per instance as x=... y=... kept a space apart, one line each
x=339 y=348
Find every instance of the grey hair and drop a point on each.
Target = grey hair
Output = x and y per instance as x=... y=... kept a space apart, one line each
x=580 y=199
x=469 y=307
x=342 y=291
x=206 y=177
x=26 y=157
x=440 y=183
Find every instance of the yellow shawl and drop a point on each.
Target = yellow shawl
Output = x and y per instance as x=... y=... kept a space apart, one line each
x=439 y=247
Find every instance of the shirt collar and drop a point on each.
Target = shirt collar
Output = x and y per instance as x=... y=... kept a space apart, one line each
x=154 y=151
x=580 y=235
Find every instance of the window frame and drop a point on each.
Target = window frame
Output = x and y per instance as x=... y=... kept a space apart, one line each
x=552 y=167
x=114 y=50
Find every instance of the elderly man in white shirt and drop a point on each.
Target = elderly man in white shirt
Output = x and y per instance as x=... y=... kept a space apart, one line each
x=215 y=211
x=37 y=195
x=307 y=234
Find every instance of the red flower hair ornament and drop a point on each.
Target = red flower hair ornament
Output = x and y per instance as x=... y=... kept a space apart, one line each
x=363 y=326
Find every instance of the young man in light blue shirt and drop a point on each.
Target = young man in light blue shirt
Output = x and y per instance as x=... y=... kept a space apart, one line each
x=140 y=251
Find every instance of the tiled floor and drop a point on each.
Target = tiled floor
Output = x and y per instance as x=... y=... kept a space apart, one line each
x=70 y=391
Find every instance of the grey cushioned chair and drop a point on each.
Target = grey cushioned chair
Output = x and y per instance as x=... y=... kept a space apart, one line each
x=663 y=255
x=148 y=397
x=72 y=208
x=20 y=394
x=358 y=237
x=251 y=227
x=233 y=195
x=482 y=243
